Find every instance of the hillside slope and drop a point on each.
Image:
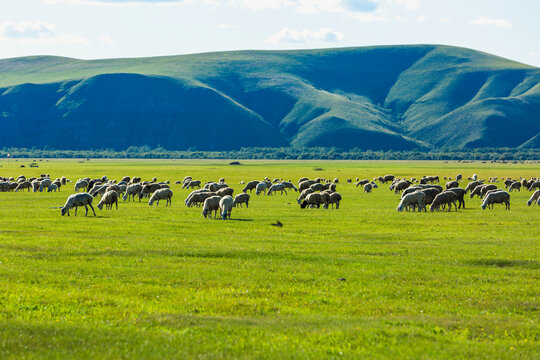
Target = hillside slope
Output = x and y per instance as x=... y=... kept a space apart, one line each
x=381 y=98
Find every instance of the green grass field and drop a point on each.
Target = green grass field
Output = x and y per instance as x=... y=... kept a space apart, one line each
x=164 y=283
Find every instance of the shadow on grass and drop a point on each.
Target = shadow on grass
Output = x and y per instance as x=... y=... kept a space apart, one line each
x=502 y=263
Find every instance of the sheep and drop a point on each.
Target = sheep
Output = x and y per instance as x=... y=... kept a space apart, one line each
x=4 y=186
x=198 y=198
x=515 y=186
x=303 y=194
x=301 y=180
x=225 y=207
x=277 y=187
x=154 y=179
x=498 y=197
x=76 y=200
x=486 y=188
x=52 y=187
x=109 y=199
x=212 y=186
x=186 y=179
x=459 y=177
x=99 y=189
x=225 y=191
x=211 y=204
x=472 y=185
x=223 y=185
x=35 y=185
x=336 y=181
x=401 y=185
x=289 y=185
x=460 y=194
x=149 y=189
x=368 y=187
x=331 y=186
x=305 y=184
x=415 y=199
x=534 y=185
x=44 y=184
x=479 y=190
x=261 y=187
x=161 y=194
x=431 y=193
x=313 y=199
x=534 y=198
x=81 y=185
x=317 y=187
x=386 y=178
x=192 y=184
x=362 y=182
x=452 y=184
x=240 y=199
x=335 y=198
x=222 y=180
x=508 y=183
x=24 y=185
x=446 y=197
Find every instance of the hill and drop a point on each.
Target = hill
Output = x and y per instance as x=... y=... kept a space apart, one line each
x=380 y=98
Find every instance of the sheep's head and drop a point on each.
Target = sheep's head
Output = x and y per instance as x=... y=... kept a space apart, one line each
x=483 y=206
x=400 y=208
x=224 y=215
x=100 y=206
x=64 y=211
x=303 y=204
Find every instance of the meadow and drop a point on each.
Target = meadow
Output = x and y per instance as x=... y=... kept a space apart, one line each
x=364 y=281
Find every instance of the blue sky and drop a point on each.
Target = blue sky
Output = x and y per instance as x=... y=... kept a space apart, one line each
x=91 y=29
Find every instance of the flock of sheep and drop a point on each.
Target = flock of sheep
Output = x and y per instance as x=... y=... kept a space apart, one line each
x=314 y=193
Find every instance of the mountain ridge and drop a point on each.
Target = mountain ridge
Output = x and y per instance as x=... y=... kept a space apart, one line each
x=379 y=98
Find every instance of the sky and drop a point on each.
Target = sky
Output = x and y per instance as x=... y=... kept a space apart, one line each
x=94 y=29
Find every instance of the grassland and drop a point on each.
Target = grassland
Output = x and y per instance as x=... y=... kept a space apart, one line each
x=154 y=282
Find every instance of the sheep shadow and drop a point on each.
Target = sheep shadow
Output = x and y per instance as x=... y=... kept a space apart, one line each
x=241 y=219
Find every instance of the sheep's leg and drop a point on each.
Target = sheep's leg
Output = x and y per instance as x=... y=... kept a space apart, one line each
x=91 y=207
x=76 y=207
x=86 y=208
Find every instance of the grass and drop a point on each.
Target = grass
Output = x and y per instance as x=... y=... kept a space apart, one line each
x=156 y=282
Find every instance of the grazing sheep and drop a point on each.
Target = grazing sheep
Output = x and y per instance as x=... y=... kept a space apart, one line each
x=534 y=198
x=211 y=204
x=222 y=180
x=415 y=199
x=336 y=181
x=149 y=189
x=52 y=187
x=197 y=198
x=305 y=184
x=225 y=207
x=161 y=194
x=81 y=185
x=277 y=187
x=192 y=184
x=472 y=185
x=317 y=187
x=24 y=185
x=35 y=185
x=311 y=200
x=515 y=186
x=460 y=193
x=486 y=188
x=261 y=187
x=289 y=185
x=131 y=191
x=498 y=197
x=431 y=193
x=386 y=178
x=240 y=199
x=446 y=197
x=459 y=177
x=212 y=186
x=368 y=187
x=225 y=191
x=44 y=184
x=335 y=198
x=98 y=189
x=508 y=183
x=534 y=185
x=303 y=194
x=362 y=182
x=401 y=185
x=109 y=199
x=76 y=200
x=479 y=190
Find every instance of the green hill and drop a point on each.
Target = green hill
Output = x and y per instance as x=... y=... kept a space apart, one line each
x=380 y=98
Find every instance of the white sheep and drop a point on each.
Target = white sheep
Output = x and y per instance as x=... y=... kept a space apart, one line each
x=132 y=191
x=198 y=198
x=240 y=199
x=81 y=185
x=414 y=199
x=76 y=200
x=225 y=207
x=52 y=187
x=334 y=198
x=44 y=184
x=261 y=187
x=368 y=187
x=497 y=197
x=211 y=204
x=161 y=194
x=109 y=199
x=534 y=198
x=277 y=187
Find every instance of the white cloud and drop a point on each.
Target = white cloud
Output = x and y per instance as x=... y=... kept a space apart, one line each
x=311 y=6
x=482 y=21
x=409 y=4
x=421 y=18
x=444 y=19
x=36 y=32
x=104 y=39
x=288 y=35
x=229 y=26
x=115 y=3
x=535 y=53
